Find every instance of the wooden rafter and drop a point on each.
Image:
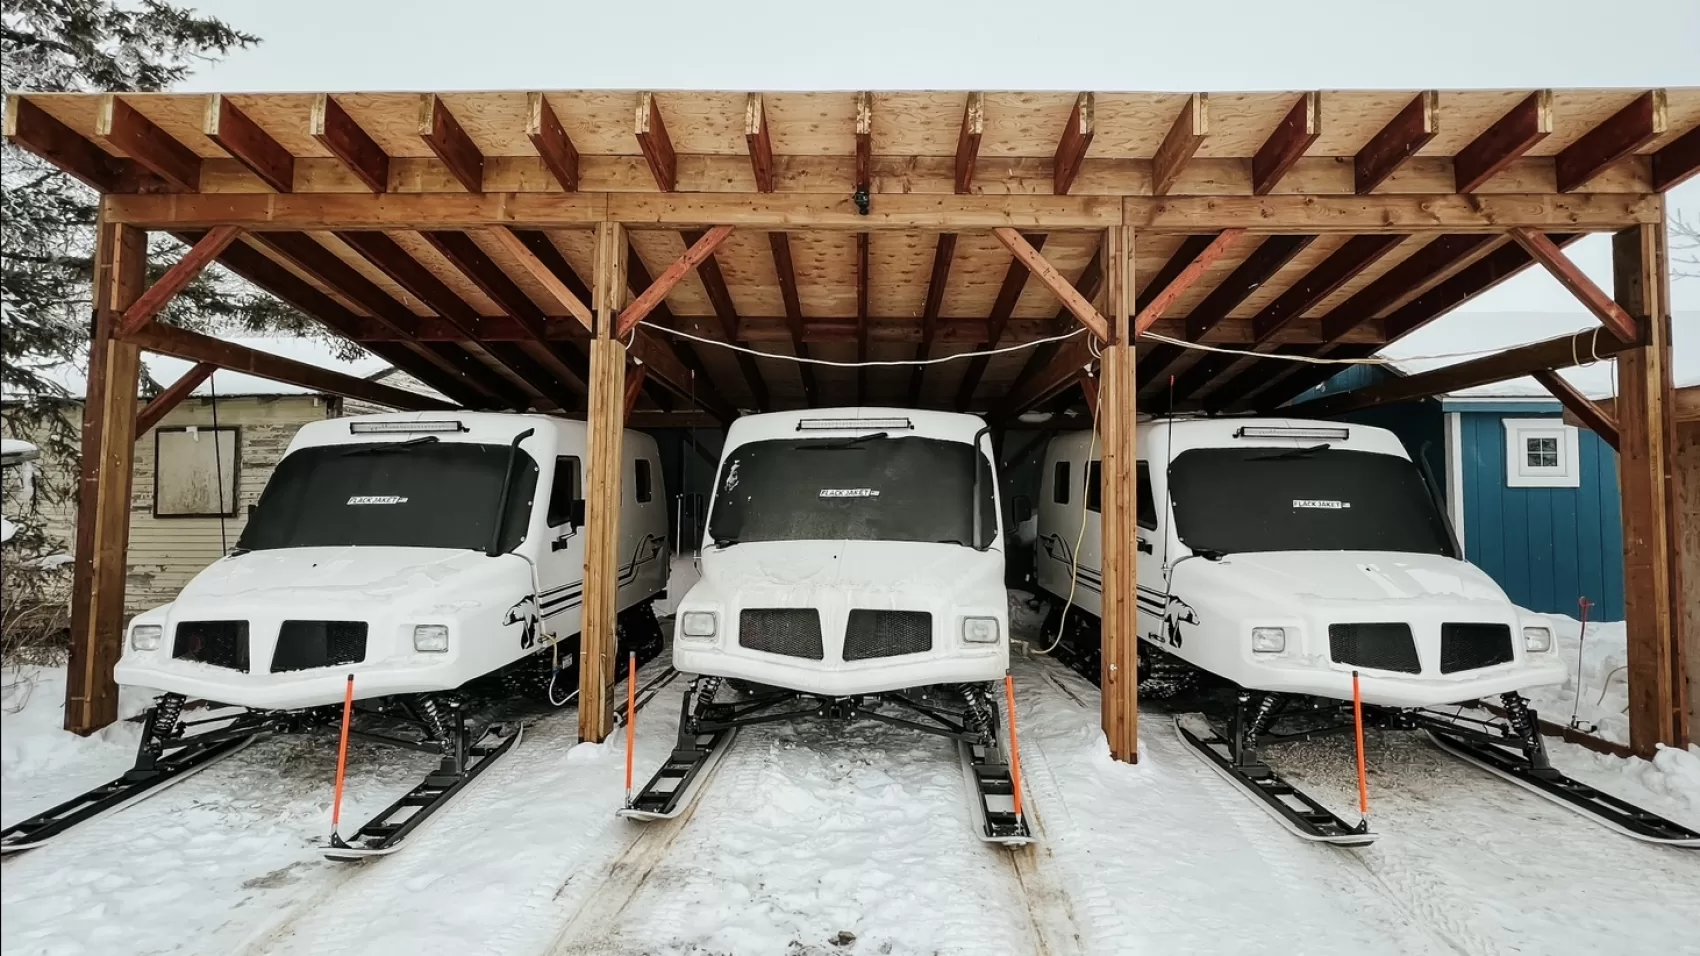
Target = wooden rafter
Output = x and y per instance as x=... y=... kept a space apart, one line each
x=120 y=126
x=1352 y=258
x=30 y=127
x=1301 y=126
x=634 y=387
x=1258 y=268
x=551 y=141
x=864 y=142
x=701 y=249
x=708 y=394
x=1063 y=370
x=336 y=131
x=1071 y=147
x=1398 y=141
x=656 y=145
x=943 y=253
x=1281 y=389
x=1527 y=123
x=1548 y=254
x=324 y=266
x=968 y=141
x=720 y=297
x=250 y=145
x=1472 y=280
x=1255 y=374
x=786 y=272
x=546 y=275
x=1631 y=128
x=1176 y=285
x=450 y=142
x=1597 y=419
x=1185 y=136
x=1677 y=161
x=162 y=404
x=1009 y=293
x=1416 y=270
x=759 y=141
x=177 y=278
x=1048 y=276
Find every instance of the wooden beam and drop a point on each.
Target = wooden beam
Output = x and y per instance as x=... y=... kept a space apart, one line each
x=176 y=279
x=864 y=142
x=1009 y=293
x=720 y=297
x=708 y=395
x=786 y=271
x=1296 y=131
x=1512 y=135
x=1467 y=283
x=943 y=253
x=1592 y=297
x=1053 y=280
x=634 y=388
x=336 y=131
x=250 y=145
x=1357 y=254
x=1591 y=415
x=701 y=248
x=1118 y=420
x=1411 y=273
x=1631 y=128
x=1398 y=141
x=1564 y=352
x=863 y=267
x=1071 y=148
x=1677 y=161
x=103 y=500
x=30 y=127
x=1655 y=595
x=1176 y=285
x=968 y=141
x=165 y=401
x=445 y=137
x=1071 y=360
x=606 y=428
x=551 y=141
x=1258 y=268
x=473 y=262
x=1089 y=391
x=656 y=145
x=521 y=252
x=119 y=125
x=1185 y=136
x=329 y=270
x=759 y=142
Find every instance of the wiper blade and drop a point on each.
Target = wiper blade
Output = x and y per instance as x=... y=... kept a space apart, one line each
x=393 y=446
x=844 y=442
x=1292 y=453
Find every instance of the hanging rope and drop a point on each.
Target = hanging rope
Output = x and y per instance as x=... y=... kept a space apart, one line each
x=218 y=467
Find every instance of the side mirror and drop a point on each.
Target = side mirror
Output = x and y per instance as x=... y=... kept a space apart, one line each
x=1023 y=509
x=576 y=513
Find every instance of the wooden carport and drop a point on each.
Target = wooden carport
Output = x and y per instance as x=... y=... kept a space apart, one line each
x=542 y=250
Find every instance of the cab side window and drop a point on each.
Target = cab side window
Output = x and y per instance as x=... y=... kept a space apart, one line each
x=1094 y=486
x=1147 y=504
x=565 y=490
x=1059 y=483
x=645 y=489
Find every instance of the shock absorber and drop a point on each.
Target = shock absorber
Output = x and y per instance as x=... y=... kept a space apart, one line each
x=1517 y=715
x=166 y=712
x=432 y=714
x=1260 y=720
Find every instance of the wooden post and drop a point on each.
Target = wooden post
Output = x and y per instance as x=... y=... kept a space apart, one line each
x=1653 y=589
x=602 y=489
x=103 y=494
x=1116 y=417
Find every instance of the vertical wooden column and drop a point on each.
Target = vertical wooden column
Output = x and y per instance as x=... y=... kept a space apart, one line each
x=1652 y=586
x=103 y=493
x=1116 y=419
x=602 y=489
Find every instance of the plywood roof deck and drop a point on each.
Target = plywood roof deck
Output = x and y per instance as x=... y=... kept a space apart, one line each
x=1314 y=177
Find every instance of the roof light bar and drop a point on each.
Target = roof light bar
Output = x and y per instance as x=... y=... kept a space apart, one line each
x=405 y=428
x=1316 y=432
x=844 y=424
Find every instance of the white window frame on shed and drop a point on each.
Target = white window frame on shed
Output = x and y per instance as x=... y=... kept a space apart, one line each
x=1565 y=470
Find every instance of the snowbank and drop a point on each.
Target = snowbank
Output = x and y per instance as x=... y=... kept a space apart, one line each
x=682 y=573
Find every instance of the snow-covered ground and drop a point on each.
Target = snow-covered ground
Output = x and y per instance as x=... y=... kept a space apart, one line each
x=812 y=839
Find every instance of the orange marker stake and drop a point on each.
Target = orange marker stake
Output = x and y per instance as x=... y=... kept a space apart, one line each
x=1363 y=776
x=631 y=720
x=342 y=761
x=1014 y=744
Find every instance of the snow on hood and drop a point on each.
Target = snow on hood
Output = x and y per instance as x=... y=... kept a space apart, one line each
x=868 y=566
x=1360 y=576
x=331 y=572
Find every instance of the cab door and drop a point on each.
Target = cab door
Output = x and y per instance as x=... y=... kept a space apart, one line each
x=560 y=567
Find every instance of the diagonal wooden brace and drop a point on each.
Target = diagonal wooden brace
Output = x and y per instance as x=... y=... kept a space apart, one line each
x=664 y=283
x=177 y=278
x=1194 y=271
x=1060 y=287
x=1548 y=254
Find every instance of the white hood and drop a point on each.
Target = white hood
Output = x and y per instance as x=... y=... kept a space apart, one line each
x=866 y=568
x=287 y=574
x=1353 y=576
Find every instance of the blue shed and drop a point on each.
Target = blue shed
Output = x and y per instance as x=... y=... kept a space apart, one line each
x=1534 y=500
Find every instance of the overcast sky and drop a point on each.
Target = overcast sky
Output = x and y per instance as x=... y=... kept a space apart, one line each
x=992 y=44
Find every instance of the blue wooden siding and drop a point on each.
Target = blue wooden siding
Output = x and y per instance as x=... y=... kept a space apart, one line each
x=1545 y=546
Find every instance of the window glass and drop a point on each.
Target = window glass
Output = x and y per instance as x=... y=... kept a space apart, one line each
x=1542 y=452
x=1094 y=486
x=1147 y=504
x=1059 y=483
x=565 y=491
x=645 y=491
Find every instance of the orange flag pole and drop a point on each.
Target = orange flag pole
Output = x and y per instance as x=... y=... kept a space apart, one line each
x=342 y=761
x=1014 y=744
x=631 y=720
x=1363 y=774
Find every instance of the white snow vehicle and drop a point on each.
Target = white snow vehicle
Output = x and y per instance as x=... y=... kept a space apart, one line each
x=853 y=565
x=1293 y=559
x=411 y=554
x=14 y=452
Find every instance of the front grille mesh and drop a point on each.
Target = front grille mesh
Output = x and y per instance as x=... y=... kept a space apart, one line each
x=1465 y=647
x=1386 y=647
x=219 y=643
x=791 y=631
x=872 y=634
x=304 y=645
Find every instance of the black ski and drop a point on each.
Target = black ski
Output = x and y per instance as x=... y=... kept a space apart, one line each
x=1295 y=809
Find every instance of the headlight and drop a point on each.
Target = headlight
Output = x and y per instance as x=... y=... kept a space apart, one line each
x=145 y=637
x=1269 y=640
x=698 y=624
x=1537 y=639
x=433 y=638
x=980 y=630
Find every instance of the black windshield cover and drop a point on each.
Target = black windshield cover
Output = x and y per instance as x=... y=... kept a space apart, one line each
x=436 y=495
x=1246 y=499
x=877 y=489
